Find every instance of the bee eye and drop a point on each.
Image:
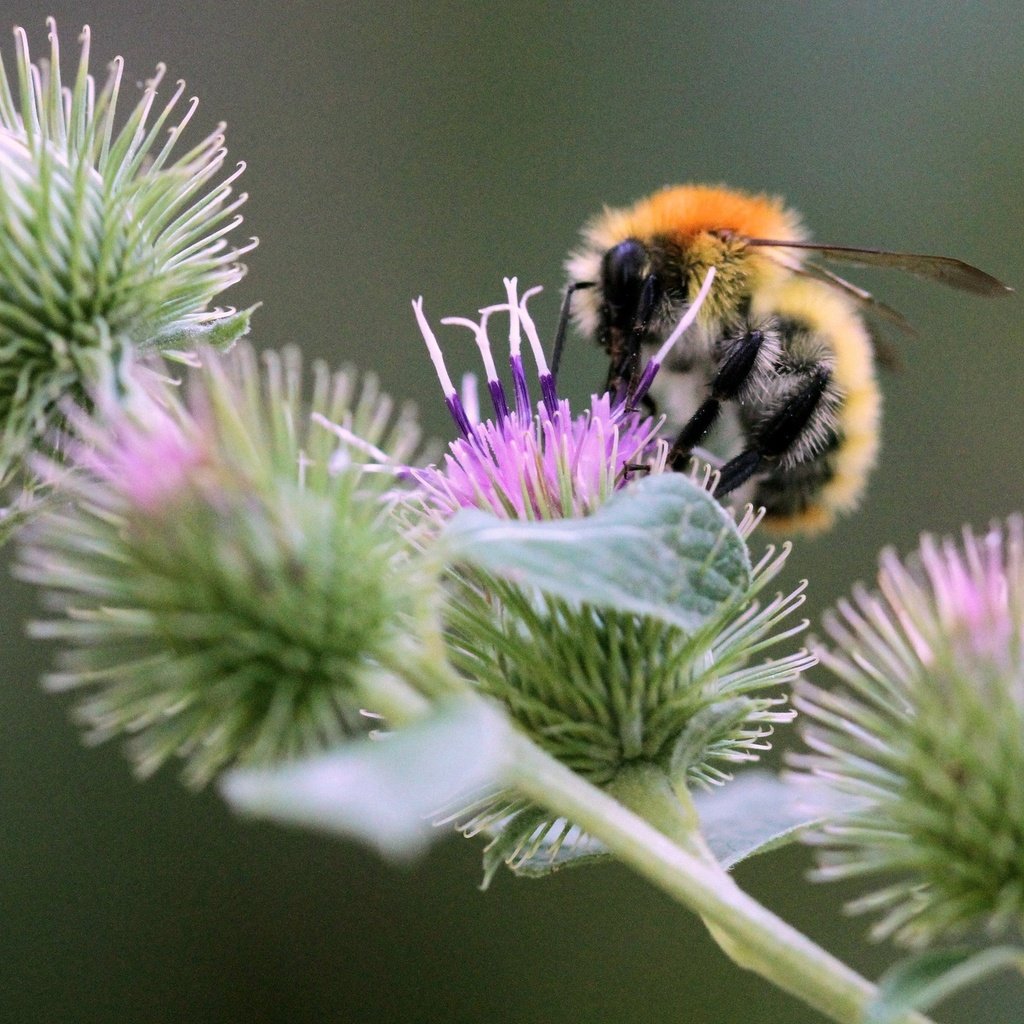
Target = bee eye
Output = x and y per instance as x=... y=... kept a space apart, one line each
x=623 y=270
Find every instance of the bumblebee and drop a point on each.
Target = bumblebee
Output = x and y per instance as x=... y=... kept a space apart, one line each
x=780 y=342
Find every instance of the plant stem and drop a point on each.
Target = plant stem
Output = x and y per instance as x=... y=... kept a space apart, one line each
x=668 y=852
x=653 y=828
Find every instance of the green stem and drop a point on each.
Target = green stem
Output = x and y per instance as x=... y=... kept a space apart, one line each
x=668 y=852
x=646 y=790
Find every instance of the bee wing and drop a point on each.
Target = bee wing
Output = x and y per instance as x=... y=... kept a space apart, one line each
x=943 y=269
x=885 y=352
x=861 y=295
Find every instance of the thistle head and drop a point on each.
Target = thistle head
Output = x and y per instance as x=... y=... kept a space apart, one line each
x=536 y=461
x=111 y=237
x=926 y=728
x=224 y=586
x=601 y=686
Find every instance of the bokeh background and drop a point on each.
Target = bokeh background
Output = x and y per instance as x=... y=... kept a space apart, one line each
x=429 y=148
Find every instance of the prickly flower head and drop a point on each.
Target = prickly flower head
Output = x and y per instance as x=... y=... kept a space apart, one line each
x=598 y=683
x=542 y=462
x=112 y=235
x=224 y=587
x=926 y=729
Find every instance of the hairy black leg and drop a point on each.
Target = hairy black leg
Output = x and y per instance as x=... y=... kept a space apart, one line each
x=774 y=437
x=693 y=433
x=563 y=323
x=738 y=471
x=732 y=374
x=650 y=295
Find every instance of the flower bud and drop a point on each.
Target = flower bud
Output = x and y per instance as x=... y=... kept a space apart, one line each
x=108 y=241
x=926 y=731
x=227 y=590
x=600 y=688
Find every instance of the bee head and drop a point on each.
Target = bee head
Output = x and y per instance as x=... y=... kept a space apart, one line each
x=624 y=268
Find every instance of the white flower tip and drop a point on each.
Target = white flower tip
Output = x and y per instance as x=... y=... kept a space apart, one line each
x=531 y=330
x=433 y=348
x=514 y=331
x=688 y=318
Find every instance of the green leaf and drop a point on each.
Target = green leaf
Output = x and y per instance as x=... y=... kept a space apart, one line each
x=758 y=812
x=382 y=791
x=218 y=334
x=661 y=547
x=921 y=981
x=753 y=814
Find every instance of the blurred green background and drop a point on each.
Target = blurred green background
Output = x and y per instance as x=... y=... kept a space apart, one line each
x=405 y=149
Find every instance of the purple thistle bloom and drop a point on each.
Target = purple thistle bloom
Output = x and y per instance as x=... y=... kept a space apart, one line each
x=547 y=464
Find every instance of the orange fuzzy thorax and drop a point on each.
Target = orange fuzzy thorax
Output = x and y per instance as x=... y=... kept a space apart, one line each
x=683 y=211
x=694 y=218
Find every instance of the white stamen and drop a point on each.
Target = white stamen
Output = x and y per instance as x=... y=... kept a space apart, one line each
x=531 y=330
x=691 y=315
x=515 y=340
x=433 y=349
x=482 y=342
x=470 y=398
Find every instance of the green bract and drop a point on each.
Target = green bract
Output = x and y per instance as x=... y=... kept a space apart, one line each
x=109 y=238
x=628 y=637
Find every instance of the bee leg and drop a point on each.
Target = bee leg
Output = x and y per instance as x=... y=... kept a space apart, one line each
x=738 y=471
x=624 y=373
x=733 y=374
x=778 y=434
x=563 y=324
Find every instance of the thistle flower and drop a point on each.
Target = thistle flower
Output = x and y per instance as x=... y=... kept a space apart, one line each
x=598 y=687
x=226 y=589
x=927 y=729
x=545 y=465
x=108 y=241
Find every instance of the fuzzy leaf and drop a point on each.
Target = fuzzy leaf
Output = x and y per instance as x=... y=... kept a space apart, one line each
x=661 y=547
x=919 y=982
x=219 y=334
x=759 y=812
x=382 y=791
x=754 y=814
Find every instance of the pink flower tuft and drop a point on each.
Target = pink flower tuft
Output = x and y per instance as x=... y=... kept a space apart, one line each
x=543 y=464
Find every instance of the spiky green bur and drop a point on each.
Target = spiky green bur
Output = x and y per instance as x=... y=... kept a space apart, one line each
x=601 y=689
x=614 y=618
x=226 y=588
x=927 y=728
x=109 y=239
x=606 y=689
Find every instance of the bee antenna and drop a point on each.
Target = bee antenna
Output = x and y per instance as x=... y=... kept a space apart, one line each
x=563 y=324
